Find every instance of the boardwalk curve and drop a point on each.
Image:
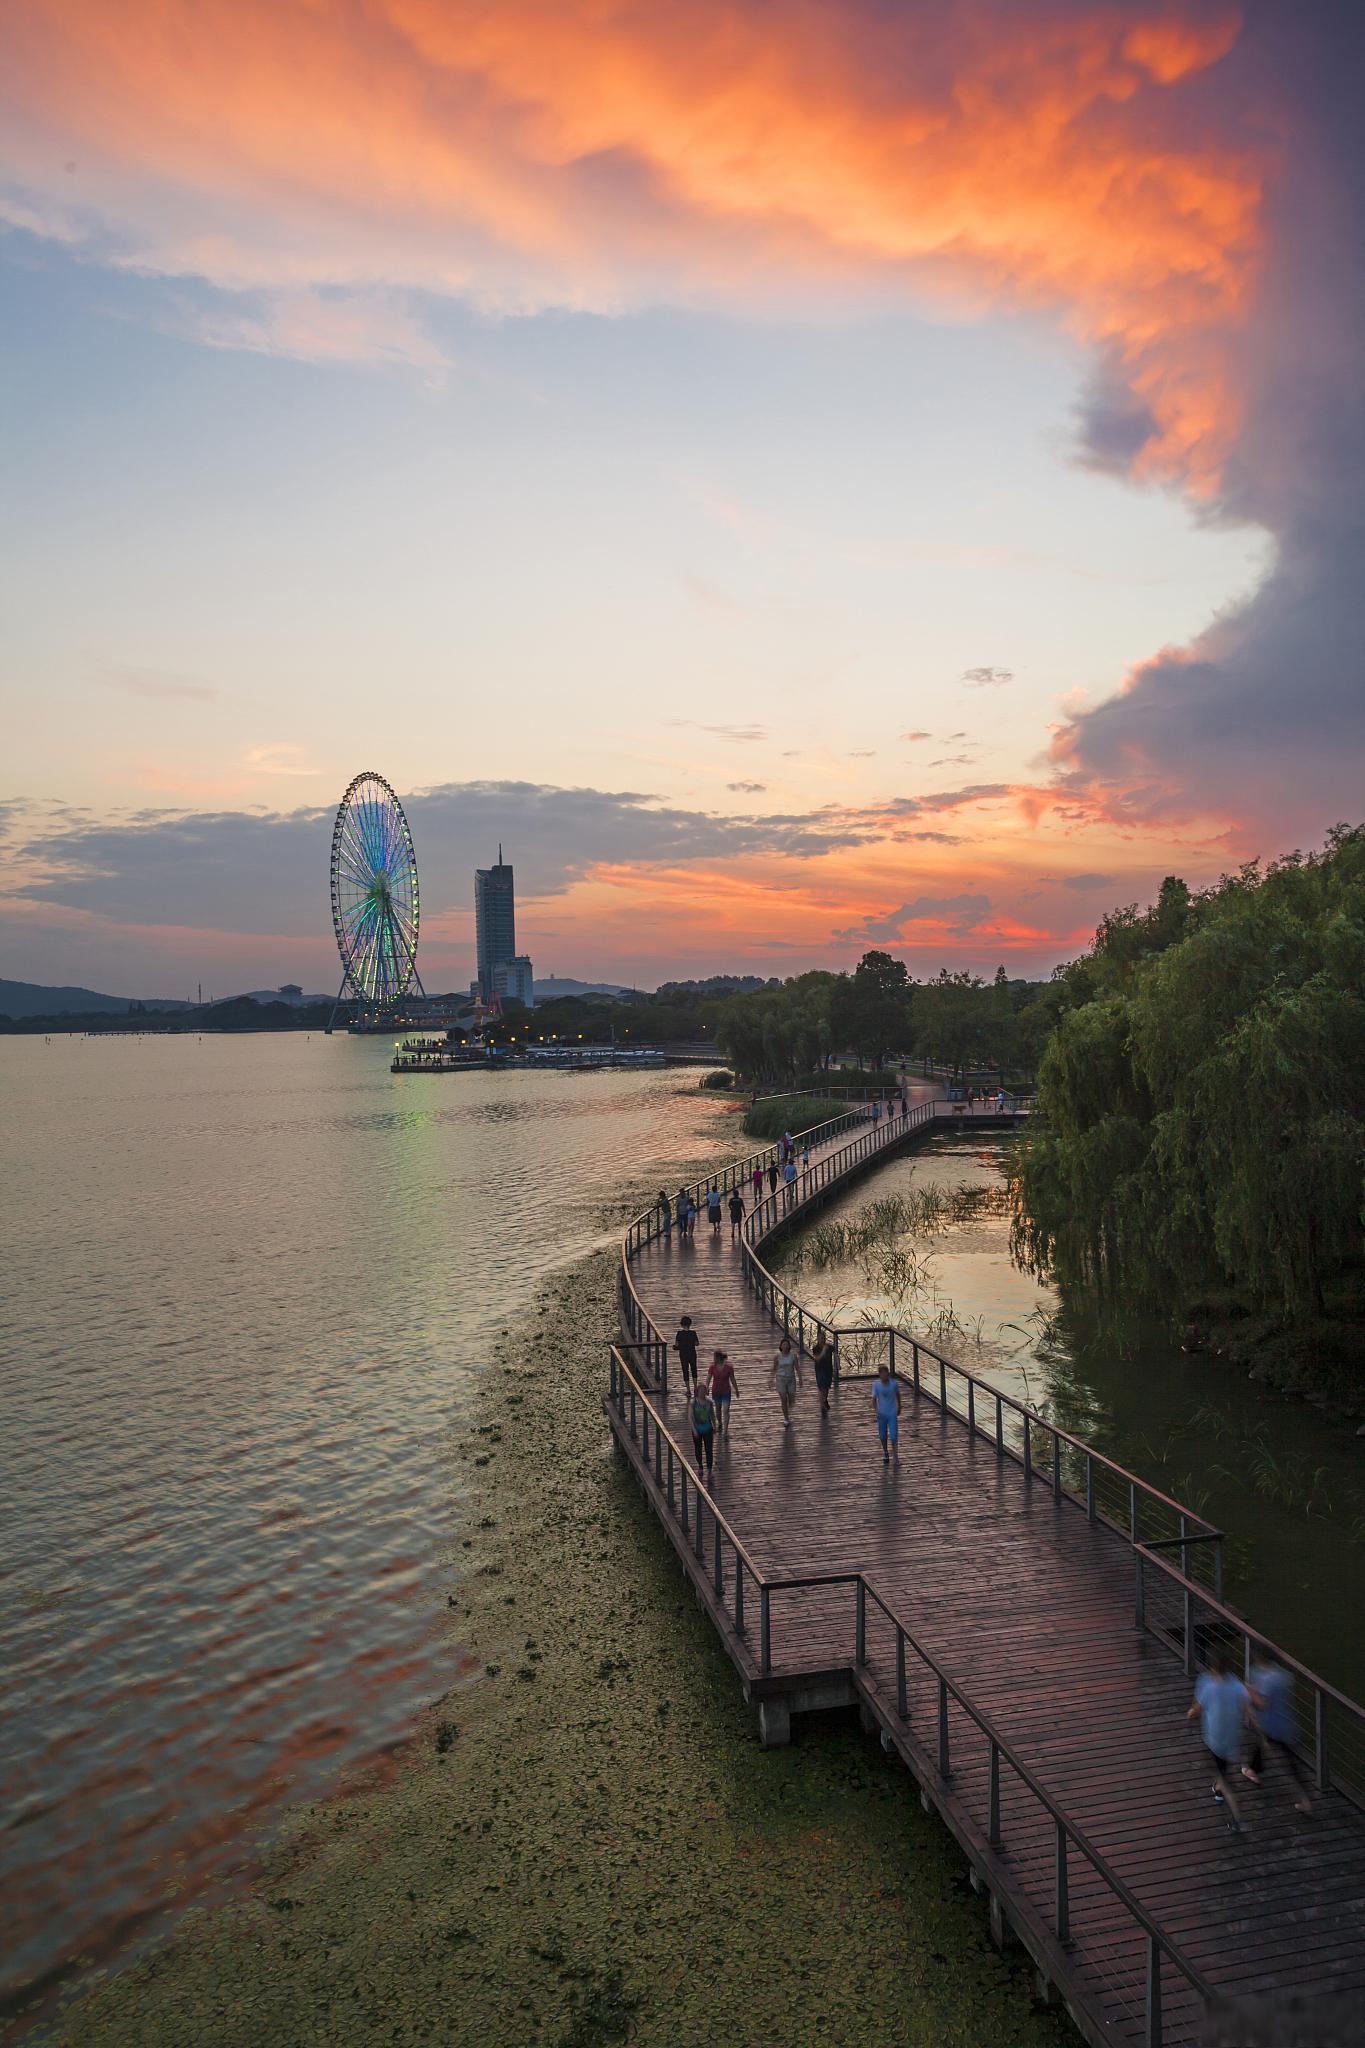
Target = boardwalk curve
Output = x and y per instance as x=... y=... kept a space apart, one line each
x=1016 y=1615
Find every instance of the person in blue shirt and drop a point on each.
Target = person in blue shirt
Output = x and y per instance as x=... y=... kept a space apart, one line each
x=1221 y=1702
x=1272 y=1724
x=886 y=1402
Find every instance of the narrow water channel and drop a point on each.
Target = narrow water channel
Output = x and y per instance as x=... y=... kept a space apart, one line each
x=1286 y=1484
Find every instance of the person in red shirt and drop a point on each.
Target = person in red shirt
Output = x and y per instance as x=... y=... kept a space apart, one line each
x=721 y=1384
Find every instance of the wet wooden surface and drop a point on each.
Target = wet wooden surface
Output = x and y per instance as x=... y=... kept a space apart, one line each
x=1029 y=1610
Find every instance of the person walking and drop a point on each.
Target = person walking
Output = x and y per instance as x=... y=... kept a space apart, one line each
x=691 y=1215
x=1221 y=1705
x=788 y=1145
x=713 y=1215
x=789 y=1179
x=721 y=1385
x=805 y=1159
x=756 y=1182
x=685 y=1344
x=680 y=1211
x=822 y=1360
x=772 y=1176
x=736 y=1211
x=702 y=1414
x=886 y=1403
x=1272 y=1723
x=665 y=1208
x=786 y=1377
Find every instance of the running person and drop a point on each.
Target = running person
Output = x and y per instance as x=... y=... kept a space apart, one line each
x=702 y=1414
x=685 y=1344
x=1221 y=1703
x=736 y=1211
x=1272 y=1722
x=721 y=1384
x=886 y=1402
x=786 y=1377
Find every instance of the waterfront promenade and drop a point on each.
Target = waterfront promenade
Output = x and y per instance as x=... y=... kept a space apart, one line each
x=1018 y=1618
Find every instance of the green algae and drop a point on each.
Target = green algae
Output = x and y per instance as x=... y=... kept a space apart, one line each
x=584 y=1843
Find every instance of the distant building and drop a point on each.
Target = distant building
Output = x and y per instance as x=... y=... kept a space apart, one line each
x=514 y=978
x=502 y=970
x=291 y=992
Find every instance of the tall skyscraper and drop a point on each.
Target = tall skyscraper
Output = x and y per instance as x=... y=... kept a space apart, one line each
x=501 y=969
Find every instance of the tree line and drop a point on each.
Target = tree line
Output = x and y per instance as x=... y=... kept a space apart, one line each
x=1201 y=1096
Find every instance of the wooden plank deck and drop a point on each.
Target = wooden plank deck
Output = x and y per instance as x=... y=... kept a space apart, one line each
x=1028 y=1609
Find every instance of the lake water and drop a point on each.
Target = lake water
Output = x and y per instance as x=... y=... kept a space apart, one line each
x=1286 y=1484
x=247 y=1283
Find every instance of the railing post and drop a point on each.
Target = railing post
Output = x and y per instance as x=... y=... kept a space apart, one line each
x=902 y=1706
x=943 y=1728
x=860 y=1626
x=943 y=1385
x=971 y=1406
x=1218 y=1569
x=891 y=1348
x=1028 y=1445
x=1062 y=1887
x=1189 y=1632
x=658 y=1455
x=612 y=1359
x=765 y=1646
x=914 y=1365
x=634 y=1420
x=999 y=1427
x=682 y=1497
x=718 y=1569
x=1056 y=1466
x=1139 y=1592
x=1320 y=1738
x=1132 y=1512
x=993 y=1809
x=699 y=1525
x=1089 y=1488
x=1153 y=1992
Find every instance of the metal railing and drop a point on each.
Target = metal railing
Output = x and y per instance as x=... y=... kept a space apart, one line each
x=1073 y=1470
x=1170 y=1545
x=649 y=1224
x=739 y=1586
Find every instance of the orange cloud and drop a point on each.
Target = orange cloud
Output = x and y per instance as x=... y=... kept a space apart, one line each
x=611 y=152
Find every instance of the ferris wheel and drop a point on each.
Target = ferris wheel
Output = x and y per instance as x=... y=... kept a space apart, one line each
x=375 y=911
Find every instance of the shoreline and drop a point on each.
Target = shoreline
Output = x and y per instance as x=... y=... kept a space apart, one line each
x=584 y=1843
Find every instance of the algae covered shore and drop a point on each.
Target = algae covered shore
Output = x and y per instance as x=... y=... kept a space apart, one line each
x=584 y=1843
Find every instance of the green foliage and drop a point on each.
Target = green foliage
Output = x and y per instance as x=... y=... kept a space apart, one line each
x=768 y=1119
x=1201 y=1099
x=719 y=1077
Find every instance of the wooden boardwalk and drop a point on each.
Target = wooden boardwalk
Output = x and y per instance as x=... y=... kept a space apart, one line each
x=985 y=1606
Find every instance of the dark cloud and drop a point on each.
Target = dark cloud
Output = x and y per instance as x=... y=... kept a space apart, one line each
x=268 y=871
x=963 y=914
x=1113 y=423
x=1263 y=718
x=748 y=788
x=986 y=678
x=1082 y=882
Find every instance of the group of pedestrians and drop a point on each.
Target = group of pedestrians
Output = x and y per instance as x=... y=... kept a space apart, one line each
x=708 y=1399
x=1257 y=1716
x=683 y=1210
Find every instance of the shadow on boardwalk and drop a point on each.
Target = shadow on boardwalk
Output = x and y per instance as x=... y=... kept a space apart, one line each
x=984 y=1622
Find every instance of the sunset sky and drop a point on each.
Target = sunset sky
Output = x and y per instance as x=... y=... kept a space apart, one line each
x=799 y=475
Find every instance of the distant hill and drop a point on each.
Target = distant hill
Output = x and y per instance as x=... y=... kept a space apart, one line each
x=33 y=999
x=564 y=985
